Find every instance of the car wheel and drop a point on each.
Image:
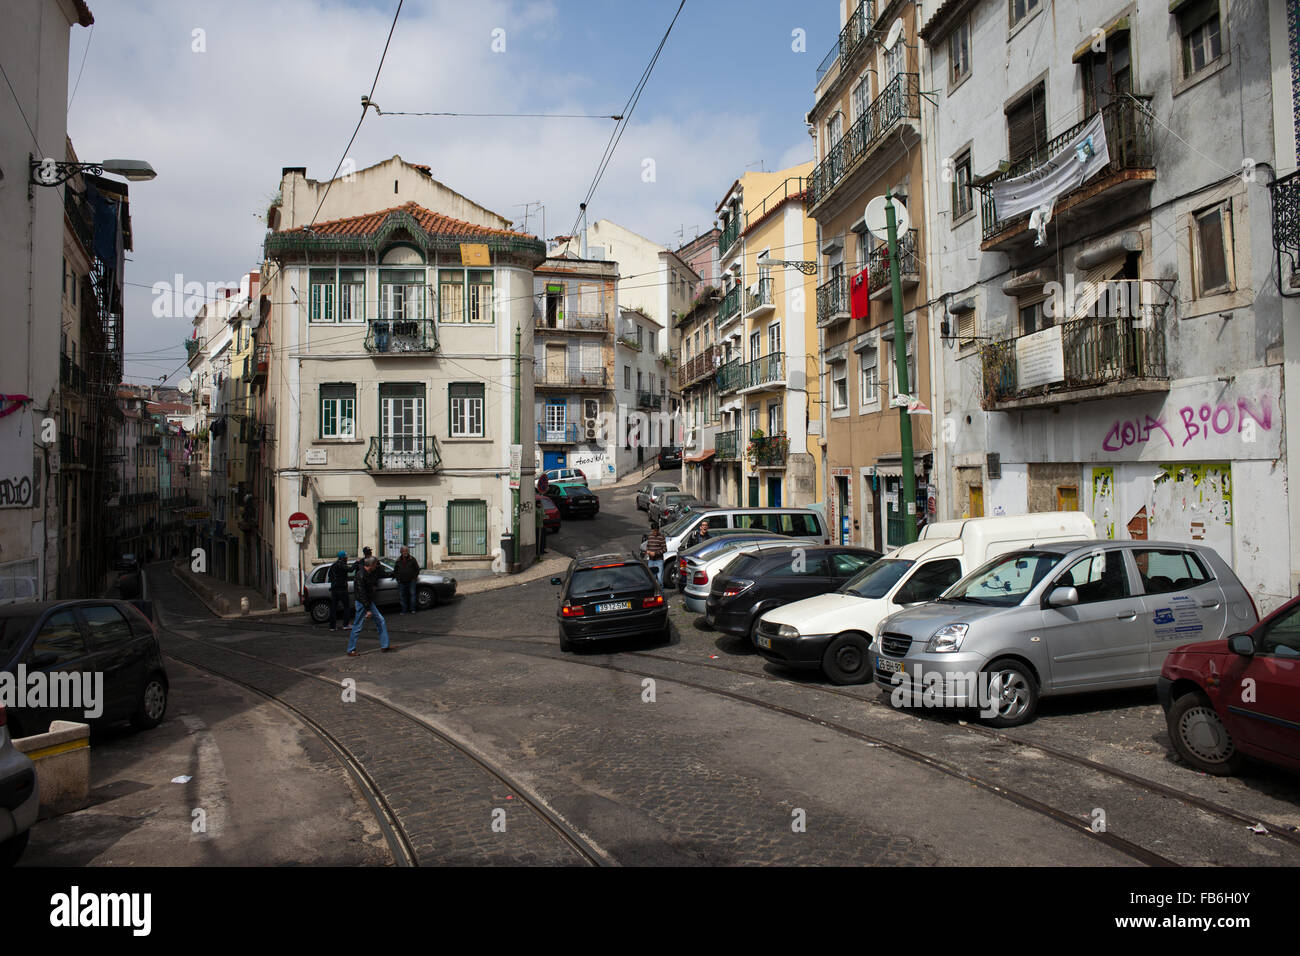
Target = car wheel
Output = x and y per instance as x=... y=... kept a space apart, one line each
x=847 y=660
x=1013 y=693
x=12 y=849
x=666 y=635
x=566 y=645
x=153 y=703
x=753 y=631
x=320 y=611
x=425 y=598
x=1200 y=737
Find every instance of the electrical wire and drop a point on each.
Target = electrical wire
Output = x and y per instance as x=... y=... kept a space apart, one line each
x=84 y=53
x=615 y=117
x=21 y=111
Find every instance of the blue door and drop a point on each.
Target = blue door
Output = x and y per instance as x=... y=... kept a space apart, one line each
x=552 y=460
x=774 y=492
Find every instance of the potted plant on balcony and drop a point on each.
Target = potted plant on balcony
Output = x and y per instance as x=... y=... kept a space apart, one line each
x=755 y=446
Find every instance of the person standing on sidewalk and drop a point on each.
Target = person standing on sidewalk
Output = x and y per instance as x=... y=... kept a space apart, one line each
x=406 y=569
x=541 y=524
x=337 y=575
x=655 y=546
x=367 y=585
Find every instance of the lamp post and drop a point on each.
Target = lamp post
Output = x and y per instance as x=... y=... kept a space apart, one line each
x=50 y=172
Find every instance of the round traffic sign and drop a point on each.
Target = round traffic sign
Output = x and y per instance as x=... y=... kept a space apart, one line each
x=298 y=520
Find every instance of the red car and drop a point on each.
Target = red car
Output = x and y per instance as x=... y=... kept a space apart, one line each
x=1230 y=699
x=550 y=514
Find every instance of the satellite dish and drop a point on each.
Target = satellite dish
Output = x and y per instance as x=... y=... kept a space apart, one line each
x=185 y=386
x=875 y=218
x=895 y=31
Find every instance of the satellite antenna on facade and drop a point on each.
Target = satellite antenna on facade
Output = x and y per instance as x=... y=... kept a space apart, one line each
x=185 y=386
x=875 y=218
x=895 y=31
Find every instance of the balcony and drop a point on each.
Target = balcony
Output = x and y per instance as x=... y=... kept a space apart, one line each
x=758 y=302
x=728 y=308
x=1132 y=166
x=728 y=445
x=833 y=301
x=597 y=379
x=768 y=452
x=193 y=346
x=700 y=366
x=151 y=440
x=258 y=364
x=1100 y=358
x=71 y=374
x=566 y=434
x=73 y=451
x=650 y=400
x=898 y=101
x=729 y=376
x=402 y=337
x=1286 y=222
x=79 y=214
x=729 y=236
x=767 y=371
x=573 y=322
x=908 y=267
x=854 y=32
x=403 y=454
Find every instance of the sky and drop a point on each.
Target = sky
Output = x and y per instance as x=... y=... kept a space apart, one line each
x=219 y=95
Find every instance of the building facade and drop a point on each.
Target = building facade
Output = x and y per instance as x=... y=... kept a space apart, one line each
x=642 y=392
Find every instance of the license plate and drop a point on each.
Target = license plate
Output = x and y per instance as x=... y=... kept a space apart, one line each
x=615 y=606
x=765 y=642
x=889 y=667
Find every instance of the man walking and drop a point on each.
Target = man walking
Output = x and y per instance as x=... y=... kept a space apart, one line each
x=655 y=546
x=406 y=570
x=367 y=584
x=337 y=575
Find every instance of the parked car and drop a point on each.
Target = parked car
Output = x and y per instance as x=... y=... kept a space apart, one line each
x=130 y=581
x=550 y=514
x=683 y=532
x=1060 y=619
x=608 y=596
x=19 y=798
x=915 y=573
x=724 y=539
x=667 y=501
x=670 y=458
x=431 y=588
x=1228 y=700
x=681 y=508
x=650 y=491
x=565 y=474
x=85 y=636
x=700 y=573
x=770 y=576
x=574 y=500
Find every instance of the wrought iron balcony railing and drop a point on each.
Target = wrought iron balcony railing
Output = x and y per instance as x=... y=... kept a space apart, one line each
x=1095 y=351
x=700 y=366
x=1286 y=218
x=768 y=452
x=764 y=370
x=729 y=307
x=729 y=376
x=574 y=322
x=1128 y=137
x=760 y=297
x=71 y=374
x=791 y=186
x=257 y=364
x=402 y=336
x=728 y=445
x=854 y=32
x=729 y=236
x=566 y=434
x=572 y=377
x=899 y=100
x=833 y=300
x=403 y=453
x=651 y=400
x=878 y=261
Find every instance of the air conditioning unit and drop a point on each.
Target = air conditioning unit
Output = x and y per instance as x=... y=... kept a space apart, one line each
x=591 y=429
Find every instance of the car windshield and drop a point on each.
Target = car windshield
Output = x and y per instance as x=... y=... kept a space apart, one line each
x=678 y=526
x=13 y=628
x=876 y=580
x=600 y=580
x=1004 y=581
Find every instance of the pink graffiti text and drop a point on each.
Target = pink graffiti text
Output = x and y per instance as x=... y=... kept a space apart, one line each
x=1197 y=421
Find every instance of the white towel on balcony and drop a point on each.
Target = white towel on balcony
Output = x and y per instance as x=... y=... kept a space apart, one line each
x=1077 y=161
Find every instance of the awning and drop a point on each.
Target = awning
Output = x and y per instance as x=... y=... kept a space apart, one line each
x=1092 y=286
x=693 y=459
x=1119 y=25
x=891 y=466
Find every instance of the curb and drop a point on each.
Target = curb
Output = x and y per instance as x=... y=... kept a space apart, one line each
x=216 y=603
x=548 y=568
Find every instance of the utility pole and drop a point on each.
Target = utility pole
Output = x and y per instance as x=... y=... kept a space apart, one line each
x=514 y=492
x=906 y=507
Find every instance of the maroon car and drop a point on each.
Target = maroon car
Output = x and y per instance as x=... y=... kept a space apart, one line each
x=1230 y=699
x=550 y=514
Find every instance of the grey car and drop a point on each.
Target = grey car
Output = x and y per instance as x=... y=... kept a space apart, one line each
x=19 y=798
x=431 y=587
x=647 y=494
x=1057 y=619
x=662 y=506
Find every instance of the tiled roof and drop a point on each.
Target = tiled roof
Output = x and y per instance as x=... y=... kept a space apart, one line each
x=434 y=223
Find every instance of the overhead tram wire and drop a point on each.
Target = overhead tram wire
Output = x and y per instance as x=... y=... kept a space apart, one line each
x=612 y=116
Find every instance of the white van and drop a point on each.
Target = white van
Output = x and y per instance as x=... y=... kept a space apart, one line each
x=833 y=632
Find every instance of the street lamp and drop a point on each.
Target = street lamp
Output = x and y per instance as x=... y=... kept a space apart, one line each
x=49 y=172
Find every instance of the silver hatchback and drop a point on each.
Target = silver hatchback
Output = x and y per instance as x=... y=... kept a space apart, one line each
x=1057 y=619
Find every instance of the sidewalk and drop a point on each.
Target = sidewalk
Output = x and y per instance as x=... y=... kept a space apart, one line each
x=222 y=597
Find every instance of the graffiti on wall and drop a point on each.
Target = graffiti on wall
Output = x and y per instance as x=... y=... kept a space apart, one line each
x=1193 y=423
x=1103 y=501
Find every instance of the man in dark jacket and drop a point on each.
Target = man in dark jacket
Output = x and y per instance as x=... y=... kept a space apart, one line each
x=366 y=589
x=337 y=575
x=406 y=569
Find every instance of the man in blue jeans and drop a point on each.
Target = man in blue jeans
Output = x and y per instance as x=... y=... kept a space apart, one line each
x=367 y=584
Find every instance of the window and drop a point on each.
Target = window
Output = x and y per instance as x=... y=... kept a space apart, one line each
x=1282 y=637
x=451 y=296
x=1167 y=570
x=839 y=385
x=861 y=97
x=61 y=637
x=401 y=417
x=108 y=629
x=963 y=200
x=755 y=345
x=775 y=418
x=774 y=339
x=1027 y=125
x=466 y=410
x=480 y=296
x=467 y=527
x=401 y=294
x=868 y=377
x=352 y=295
x=637 y=327
x=1032 y=318
x=959 y=53
x=1212 y=250
x=627 y=378
x=1202 y=40
x=1108 y=75
x=1019 y=9
x=338 y=404
x=1098 y=577
x=322 y=296
x=895 y=62
x=928 y=581
x=337 y=522
x=966 y=329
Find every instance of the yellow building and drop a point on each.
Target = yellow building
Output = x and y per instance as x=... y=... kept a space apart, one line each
x=768 y=385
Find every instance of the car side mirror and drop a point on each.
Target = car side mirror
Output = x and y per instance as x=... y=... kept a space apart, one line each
x=1242 y=644
x=557 y=581
x=1063 y=597
x=43 y=659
